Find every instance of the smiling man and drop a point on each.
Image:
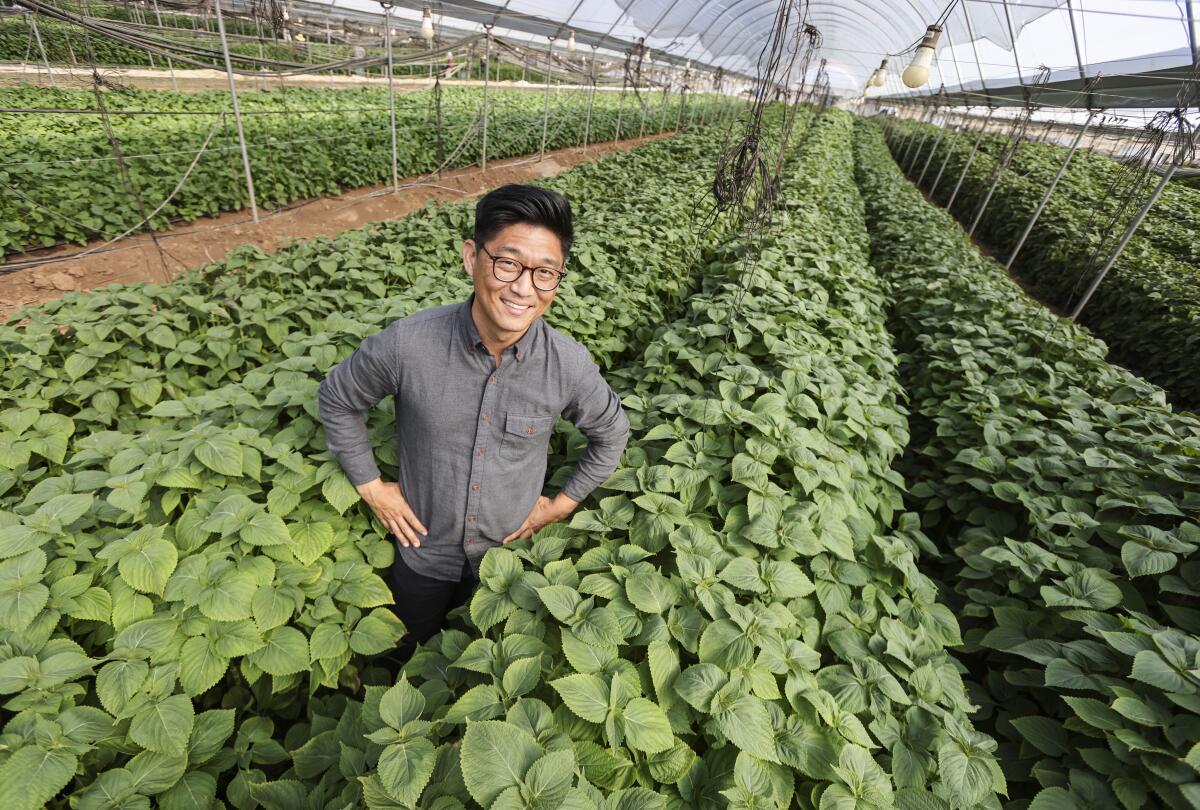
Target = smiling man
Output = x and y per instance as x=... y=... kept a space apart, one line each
x=477 y=386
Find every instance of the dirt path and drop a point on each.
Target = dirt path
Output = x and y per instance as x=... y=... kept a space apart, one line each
x=139 y=259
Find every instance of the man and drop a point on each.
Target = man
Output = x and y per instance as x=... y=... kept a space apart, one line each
x=477 y=387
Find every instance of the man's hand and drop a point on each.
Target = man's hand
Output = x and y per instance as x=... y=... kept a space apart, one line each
x=393 y=511
x=545 y=512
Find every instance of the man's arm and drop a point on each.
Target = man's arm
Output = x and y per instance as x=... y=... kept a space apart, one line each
x=351 y=388
x=596 y=410
x=347 y=392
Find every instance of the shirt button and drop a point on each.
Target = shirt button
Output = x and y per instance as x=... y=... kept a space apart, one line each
x=485 y=417
x=479 y=452
x=520 y=355
x=492 y=378
x=468 y=541
x=474 y=487
x=529 y=430
x=471 y=519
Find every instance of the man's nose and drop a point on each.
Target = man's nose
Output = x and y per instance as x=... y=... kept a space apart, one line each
x=523 y=284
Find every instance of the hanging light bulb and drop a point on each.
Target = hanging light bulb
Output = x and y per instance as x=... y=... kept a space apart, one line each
x=879 y=76
x=426 y=25
x=917 y=72
x=299 y=37
x=571 y=43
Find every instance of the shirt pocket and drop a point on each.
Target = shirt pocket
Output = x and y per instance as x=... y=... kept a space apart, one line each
x=525 y=438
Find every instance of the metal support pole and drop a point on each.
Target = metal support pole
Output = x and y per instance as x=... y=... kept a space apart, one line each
x=387 y=47
x=1193 y=39
x=587 y=126
x=1037 y=212
x=970 y=159
x=946 y=160
x=546 y=97
x=975 y=50
x=920 y=127
x=1000 y=169
x=682 y=102
x=642 y=125
x=1075 y=39
x=170 y=63
x=41 y=49
x=621 y=107
x=237 y=111
x=1133 y=226
x=911 y=160
x=1013 y=38
x=936 y=143
x=662 y=108
x=487 y=58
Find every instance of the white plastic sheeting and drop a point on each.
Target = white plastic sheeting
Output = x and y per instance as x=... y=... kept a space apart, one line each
x=977 y=45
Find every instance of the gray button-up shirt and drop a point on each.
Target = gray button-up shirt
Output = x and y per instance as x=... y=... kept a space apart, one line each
x=472 y=436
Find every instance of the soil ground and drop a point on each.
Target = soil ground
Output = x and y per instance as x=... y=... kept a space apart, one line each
x=158 y=257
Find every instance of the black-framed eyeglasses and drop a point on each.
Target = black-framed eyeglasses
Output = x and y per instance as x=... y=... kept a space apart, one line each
x=505 y=269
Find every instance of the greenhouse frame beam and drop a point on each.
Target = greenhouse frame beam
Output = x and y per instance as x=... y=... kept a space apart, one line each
x=1037 y=212
x=479 y=12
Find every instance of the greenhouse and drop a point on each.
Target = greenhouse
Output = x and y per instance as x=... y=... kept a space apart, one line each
x=840 y=449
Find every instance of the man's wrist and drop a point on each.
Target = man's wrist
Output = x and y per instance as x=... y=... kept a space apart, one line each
x=564 y=504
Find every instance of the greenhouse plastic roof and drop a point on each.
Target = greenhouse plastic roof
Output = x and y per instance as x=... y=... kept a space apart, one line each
x=856 y=34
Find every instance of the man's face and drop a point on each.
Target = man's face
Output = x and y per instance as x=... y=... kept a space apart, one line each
x=509 y=307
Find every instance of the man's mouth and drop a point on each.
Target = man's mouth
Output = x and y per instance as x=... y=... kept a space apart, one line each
x=515 y=308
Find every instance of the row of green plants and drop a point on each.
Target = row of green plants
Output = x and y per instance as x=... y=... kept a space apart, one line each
x=66 y=44
x=1066 y=490
x=739 y=622
x=1148 y=307
x=72 y=187
x=183 y=567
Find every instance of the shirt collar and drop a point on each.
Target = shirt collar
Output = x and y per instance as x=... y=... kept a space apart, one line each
x=470 y=333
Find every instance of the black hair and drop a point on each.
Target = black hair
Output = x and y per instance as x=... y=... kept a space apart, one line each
x=514 y=203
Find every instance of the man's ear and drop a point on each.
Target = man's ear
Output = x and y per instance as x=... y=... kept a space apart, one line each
x=468 y=257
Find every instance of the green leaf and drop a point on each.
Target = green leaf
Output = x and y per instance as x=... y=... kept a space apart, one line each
x=328 y=640
x=339 y=492
x=561 y=601
x=401 y=704
x=230 y=597
x=376 y=633
x=310 y=540
x=699 y=683
x=118 y=681
x=164 y=725
x=284 y=653
x=495 y=756
x=650 y=592
x=221 y=454
x=646 y=726
x=968 y=775
x=585 y=695
x=196 y=790
x=405 y=768
x=31 y=776
x=148 y=568
x=199 y=666
x=271 y=608
x=548 y=780
x=18 y=539
x=265 y=529
x=748 y=726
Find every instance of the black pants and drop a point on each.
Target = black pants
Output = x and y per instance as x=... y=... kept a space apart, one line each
x=423 y=602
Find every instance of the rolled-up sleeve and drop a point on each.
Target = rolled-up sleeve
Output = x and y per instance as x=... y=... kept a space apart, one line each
x=347 y=392
x=596 y=410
